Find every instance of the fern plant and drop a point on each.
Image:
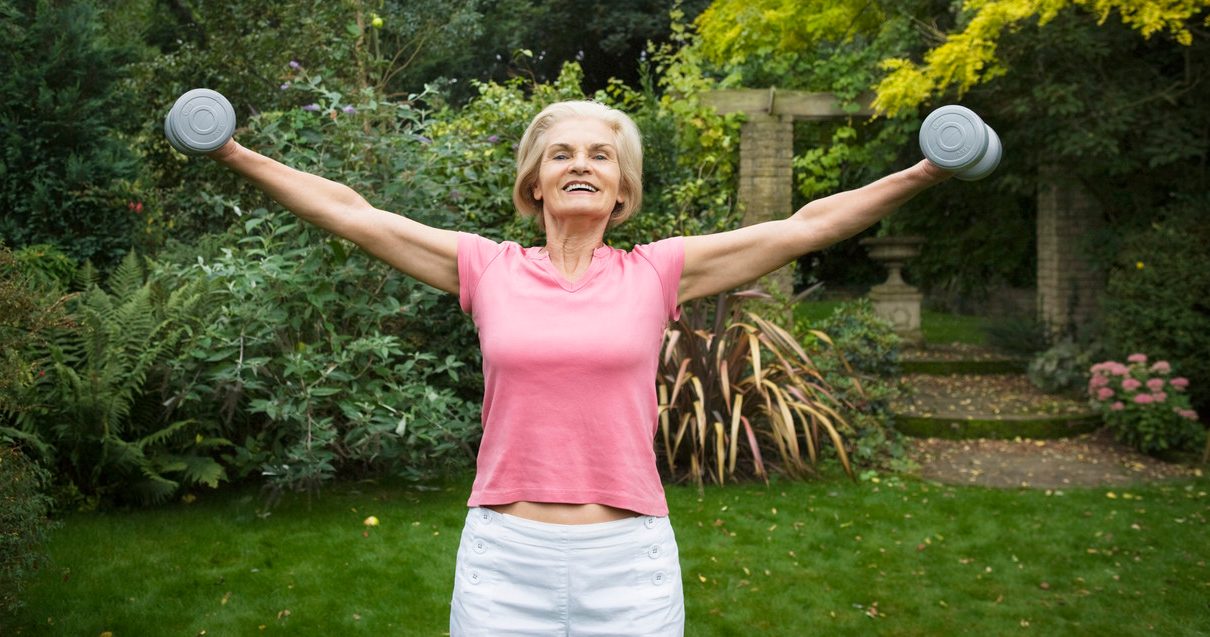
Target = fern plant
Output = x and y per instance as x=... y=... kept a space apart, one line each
x=734 y=383
x=97 y=406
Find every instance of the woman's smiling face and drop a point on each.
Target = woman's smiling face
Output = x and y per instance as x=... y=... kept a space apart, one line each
x=579 y=173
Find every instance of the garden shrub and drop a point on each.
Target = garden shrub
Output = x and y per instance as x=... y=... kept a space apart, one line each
x=729 y=379
x=1145 y=405
x=24 y=525
x=1063 y=368
x=45 y=265
x=100 y=411
x=860 y=358
x=1024 y=336
x=870 y=349
x=1157 y=297
x=322 y=361
x=63 y=162
x=29 y=310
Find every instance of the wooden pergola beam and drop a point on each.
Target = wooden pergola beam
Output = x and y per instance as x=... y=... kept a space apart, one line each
x=802 y=105
x=766 y=149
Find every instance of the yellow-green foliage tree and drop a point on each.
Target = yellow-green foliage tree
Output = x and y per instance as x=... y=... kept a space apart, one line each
x=968 y=57
x=736 y=31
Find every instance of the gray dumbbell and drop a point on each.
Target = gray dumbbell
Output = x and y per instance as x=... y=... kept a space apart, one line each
x=200 y=121
x=956 y=139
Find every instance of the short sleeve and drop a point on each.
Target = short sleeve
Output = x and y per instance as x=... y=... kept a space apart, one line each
x=475 y=253
x=667 y=257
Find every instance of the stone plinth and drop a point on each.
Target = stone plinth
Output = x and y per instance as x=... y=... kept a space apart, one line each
x=895 y=300
x=900 y=305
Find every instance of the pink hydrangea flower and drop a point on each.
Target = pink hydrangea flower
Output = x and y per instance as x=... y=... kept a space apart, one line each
x=1098 y=381
x=1131 y=384
x=1118 y=369
x=1104 y=393
x=1155 y=384
x=1159 y=396
x=1187 y=413
x=1161 y=367
x=1180 y=382
x=1117 y=406
x=1144 y=399
x=1137 y=358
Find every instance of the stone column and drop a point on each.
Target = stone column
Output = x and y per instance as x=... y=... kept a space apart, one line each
x=1069 y=288
x=766 y=178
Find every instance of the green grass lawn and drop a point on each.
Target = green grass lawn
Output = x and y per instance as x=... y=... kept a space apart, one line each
x=893 y=557
x=937 y=327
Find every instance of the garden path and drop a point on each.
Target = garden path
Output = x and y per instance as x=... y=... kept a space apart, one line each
x=974 y=398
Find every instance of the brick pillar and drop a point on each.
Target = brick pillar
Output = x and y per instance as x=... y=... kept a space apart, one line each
x=1069 y=288
x=766 y=178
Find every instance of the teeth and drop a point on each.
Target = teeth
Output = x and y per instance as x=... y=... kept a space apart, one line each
x=584 y=187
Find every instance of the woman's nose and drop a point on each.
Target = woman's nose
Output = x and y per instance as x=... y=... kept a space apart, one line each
x=579 y=162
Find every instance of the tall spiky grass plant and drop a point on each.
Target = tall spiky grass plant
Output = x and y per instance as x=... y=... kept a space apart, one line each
x=730 y=379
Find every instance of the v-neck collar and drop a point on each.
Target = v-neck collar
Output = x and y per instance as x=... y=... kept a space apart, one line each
x=540 y=256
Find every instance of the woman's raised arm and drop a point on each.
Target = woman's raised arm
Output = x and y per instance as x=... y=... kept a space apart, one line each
x=718 y=262
x=425 y=253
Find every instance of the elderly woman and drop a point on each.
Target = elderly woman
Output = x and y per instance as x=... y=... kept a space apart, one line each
x=568 y=531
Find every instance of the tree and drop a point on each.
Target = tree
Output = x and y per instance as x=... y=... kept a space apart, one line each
x=968 y=58
x=1118 y=102
x=62 y=120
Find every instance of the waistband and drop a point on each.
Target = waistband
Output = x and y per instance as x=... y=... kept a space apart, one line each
x=546 y=533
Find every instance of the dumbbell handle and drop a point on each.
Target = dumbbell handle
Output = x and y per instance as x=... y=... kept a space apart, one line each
x=956 y=139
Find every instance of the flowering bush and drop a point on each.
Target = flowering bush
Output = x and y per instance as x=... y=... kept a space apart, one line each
x=1146 y=406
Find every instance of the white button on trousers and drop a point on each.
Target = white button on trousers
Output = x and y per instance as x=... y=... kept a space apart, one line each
x=520 y=577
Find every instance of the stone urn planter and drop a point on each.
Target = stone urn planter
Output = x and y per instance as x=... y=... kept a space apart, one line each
x=895 y=300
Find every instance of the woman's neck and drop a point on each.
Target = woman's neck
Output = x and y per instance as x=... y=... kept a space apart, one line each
x=571 y=254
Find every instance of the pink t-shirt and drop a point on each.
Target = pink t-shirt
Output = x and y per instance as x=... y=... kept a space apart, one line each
x=569 y=404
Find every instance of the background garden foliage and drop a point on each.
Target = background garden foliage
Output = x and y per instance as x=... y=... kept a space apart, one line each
x=167 y=328
x=24 y=525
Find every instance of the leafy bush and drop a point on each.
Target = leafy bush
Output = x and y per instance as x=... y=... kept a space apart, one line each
x=1146 y=407
x=1025 y=336
x=1156 y=299
x=29 y=310
x=720 y=372
x=23 y=522
x=95 y=412
x=45 y=265
x=1062 y=368
x=63 y=162
x=322 y=361
x=858 y=354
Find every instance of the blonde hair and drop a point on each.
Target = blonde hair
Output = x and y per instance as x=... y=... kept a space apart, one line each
x=630 y=157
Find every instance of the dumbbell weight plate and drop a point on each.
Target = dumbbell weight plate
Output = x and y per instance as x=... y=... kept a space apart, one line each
x=953 y=137
x=989 y=161
x=199 y=122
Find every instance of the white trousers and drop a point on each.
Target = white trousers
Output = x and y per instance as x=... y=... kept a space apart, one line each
x=520 y=577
